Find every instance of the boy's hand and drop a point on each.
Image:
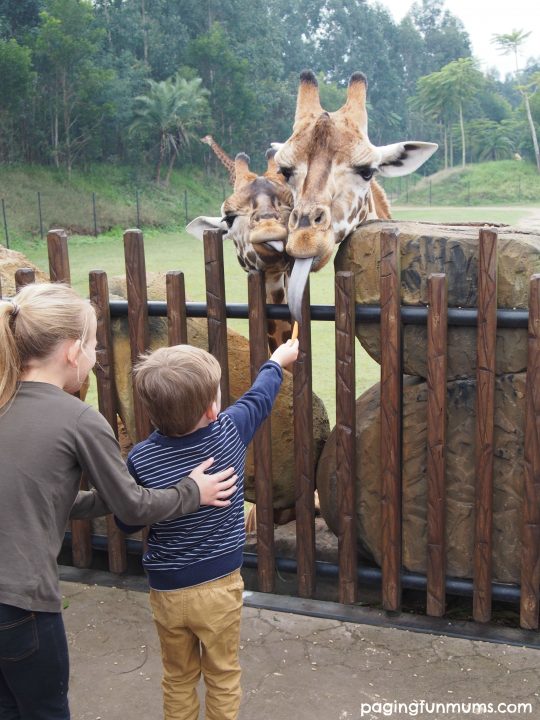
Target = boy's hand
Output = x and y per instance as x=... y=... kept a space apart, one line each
x=286 y=354
x=214 y=489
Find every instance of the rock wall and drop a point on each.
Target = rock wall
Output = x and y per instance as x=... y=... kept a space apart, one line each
x=460 y=477
x=435 y=248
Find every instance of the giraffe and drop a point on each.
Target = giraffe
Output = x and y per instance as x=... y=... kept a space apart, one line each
x=255 y=217
x=222 y=156
x=329 y=164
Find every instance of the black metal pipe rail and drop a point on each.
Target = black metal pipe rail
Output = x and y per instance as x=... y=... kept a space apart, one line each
x=410 y=315
x=366 y=575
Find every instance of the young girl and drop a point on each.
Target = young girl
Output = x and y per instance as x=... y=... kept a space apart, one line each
x=47 y=438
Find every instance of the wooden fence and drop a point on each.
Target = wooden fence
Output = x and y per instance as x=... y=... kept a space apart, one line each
x=391 y=312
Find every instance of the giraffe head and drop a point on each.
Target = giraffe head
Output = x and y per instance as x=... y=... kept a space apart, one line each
x=255 y=216
x=208 y=139
x=329 y=162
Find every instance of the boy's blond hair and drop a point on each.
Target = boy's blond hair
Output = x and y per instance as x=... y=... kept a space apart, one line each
x=177 y=385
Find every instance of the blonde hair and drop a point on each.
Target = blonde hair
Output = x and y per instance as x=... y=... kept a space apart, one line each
x=39 y=317
x=177 y=385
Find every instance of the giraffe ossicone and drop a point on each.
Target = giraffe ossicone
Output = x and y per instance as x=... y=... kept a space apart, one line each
x=329 y=164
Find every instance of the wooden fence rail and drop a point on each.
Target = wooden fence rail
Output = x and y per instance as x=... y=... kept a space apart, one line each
x=346 y=465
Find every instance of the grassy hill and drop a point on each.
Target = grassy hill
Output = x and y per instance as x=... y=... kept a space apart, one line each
x=505 y=182
x=69 y=202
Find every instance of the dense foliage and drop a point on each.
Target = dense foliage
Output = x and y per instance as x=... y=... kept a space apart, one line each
x=137 y=80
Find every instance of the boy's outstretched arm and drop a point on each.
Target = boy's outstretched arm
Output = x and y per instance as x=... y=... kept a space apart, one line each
x=255 y=405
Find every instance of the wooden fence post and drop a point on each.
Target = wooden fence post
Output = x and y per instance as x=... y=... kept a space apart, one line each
x=59 y=271
x=391 y=402
x=215 y=301
x=57 y=245
x=436 y=443
x=262 y=442
x=303 y=456
x=139 y=333
x=104 y=371
x=530 y=555
x=176 y=308
x=24 y=276
x=485 y=418
x=346 y=436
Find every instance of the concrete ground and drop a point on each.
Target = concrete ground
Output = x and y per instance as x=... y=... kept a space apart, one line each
x=296 y=666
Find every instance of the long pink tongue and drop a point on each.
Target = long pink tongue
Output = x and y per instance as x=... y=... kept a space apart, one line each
x=297 y=285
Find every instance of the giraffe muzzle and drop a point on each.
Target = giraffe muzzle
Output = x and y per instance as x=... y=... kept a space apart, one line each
x=316 y=218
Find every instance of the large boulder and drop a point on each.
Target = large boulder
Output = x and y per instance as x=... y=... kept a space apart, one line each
x=460 y=477
x=451 y=249
x=239 y=383
x=10 y=262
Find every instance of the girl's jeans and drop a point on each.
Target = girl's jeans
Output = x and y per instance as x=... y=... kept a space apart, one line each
x=34 y=665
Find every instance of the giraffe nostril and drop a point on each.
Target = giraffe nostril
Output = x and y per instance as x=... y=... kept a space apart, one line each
x=319 y=218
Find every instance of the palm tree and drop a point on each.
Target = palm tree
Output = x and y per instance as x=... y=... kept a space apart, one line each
x=489 y=140
x=462 y=79
x=441 y=94
x=171 y=110
x=435 y=102
x=510 y=43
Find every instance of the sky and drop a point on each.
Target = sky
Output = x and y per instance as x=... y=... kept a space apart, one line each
x=484 y=18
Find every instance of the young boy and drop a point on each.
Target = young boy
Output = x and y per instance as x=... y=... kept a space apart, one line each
x=193 y=562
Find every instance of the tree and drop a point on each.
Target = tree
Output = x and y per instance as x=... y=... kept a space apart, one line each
x=171 y=109
x=233 y=102
x=490 y=140
x=462 y=79
x=445 y=38
x=17 y=18
x=17 y=87
x=434 y=98
x=66 y=43
x=510 y=43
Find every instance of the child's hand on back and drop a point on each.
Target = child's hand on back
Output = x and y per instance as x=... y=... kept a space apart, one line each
x=286 y=354
x=214 y=489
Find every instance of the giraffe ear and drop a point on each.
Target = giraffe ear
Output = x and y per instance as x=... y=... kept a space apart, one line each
x=404 y=158
x=200 y=224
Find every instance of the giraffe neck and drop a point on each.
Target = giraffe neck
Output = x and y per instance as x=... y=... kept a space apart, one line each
x=225 y=160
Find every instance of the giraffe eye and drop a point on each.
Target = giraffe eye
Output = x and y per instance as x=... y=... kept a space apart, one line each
x=229 y=220
x=287 y=172
x=365 y=172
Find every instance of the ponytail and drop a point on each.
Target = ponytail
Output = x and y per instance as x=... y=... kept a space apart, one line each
x=32 y=325
x=9 y=357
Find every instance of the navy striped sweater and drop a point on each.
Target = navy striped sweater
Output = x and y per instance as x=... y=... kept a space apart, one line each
x=207 y=544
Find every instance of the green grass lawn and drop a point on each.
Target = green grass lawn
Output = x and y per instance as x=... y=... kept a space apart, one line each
x=167 y=250
x=507 y=216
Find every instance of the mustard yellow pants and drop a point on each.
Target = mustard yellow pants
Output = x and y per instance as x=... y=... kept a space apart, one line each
x=199 y=631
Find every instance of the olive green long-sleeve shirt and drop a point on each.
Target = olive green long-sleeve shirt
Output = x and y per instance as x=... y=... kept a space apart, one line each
x=47 y=438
